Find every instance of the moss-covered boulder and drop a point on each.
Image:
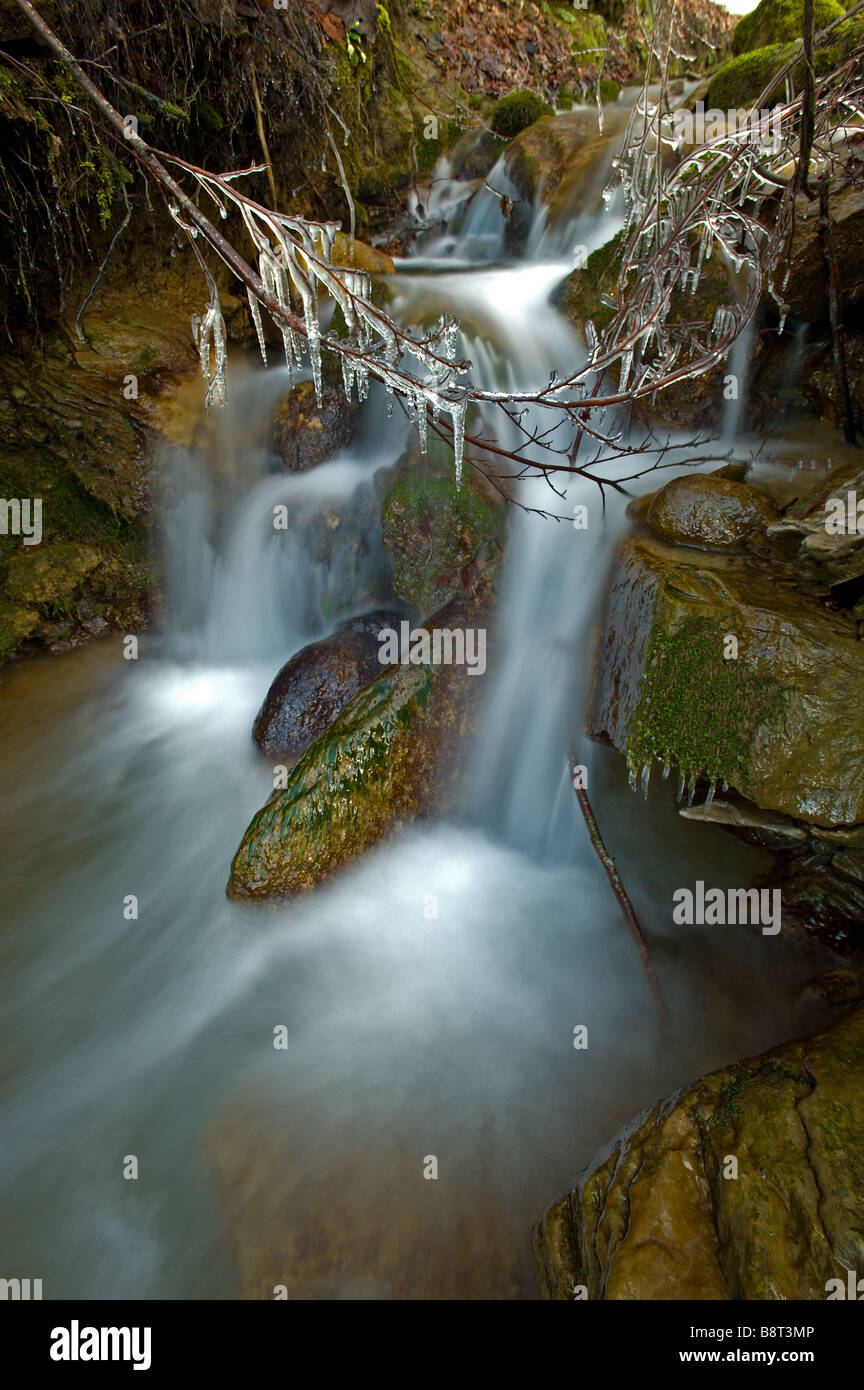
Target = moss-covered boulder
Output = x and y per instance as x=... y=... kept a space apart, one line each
x=709 y=512
x=387 y=759
x=740 y=82
x=513 y=113
x=559 y=163
x=709 y=664
x=443 y=539
x=780 y=21
x=669 y=1215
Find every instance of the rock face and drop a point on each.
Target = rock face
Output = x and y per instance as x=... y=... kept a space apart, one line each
x=442 y=538
x=709 y=512
x=314 y=687
x=661 y=1218
x=388 y=758
x=781 y=722
x=549 y=163
x=304 y=434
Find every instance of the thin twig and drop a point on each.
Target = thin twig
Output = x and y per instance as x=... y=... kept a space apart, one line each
x=621 y=894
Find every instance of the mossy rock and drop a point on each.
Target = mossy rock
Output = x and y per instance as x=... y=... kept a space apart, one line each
x=660 y=1217
x=781 y=722
x=588 y=290
x=49 y=574
x=442 y=538
x=780 y=21
x=389 y=758
x=518 y=110
x=738 y=83
x=16 y=624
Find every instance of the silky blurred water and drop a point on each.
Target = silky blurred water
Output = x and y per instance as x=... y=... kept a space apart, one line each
x=429 y=995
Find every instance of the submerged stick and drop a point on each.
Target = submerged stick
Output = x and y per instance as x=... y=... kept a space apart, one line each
x=621 y=894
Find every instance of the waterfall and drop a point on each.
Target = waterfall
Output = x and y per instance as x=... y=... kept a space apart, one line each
x=429 y=993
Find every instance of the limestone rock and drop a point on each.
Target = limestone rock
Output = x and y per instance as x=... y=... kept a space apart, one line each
x=658 y=1218
x=781 y=722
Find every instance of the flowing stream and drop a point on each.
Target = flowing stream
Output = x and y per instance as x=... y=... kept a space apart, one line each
x=429 y=995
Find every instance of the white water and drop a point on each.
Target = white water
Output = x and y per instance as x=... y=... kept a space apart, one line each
x=410 y=1034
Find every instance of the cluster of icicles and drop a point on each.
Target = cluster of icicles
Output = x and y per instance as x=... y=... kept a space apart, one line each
x=686 y=783
x=708 y=203
x=295 y=267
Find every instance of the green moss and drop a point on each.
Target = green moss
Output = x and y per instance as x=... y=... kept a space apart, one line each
x=741 y=81
x=342 y=795
x=516 y=111
x=697 y=709
x=433 y=528
x=610 y=90
x=583 y=293
x=780 y=21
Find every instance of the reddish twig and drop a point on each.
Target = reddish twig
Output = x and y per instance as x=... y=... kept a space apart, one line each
x=621 y=894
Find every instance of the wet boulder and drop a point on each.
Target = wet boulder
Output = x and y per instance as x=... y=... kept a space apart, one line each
x=443 y=539
x=710 y=664
x=317 y=683
x=304 y=434
x=709 y=512
x=663 y=1216
x=390 y=757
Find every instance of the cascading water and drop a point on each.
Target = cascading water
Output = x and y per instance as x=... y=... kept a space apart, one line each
x=428 y=996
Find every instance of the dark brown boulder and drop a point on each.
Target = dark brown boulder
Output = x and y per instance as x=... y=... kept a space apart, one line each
x=304 y=434
x=313 y=688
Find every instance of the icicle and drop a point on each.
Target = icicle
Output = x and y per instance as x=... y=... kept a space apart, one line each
x=665 y=773
x=255 y=310
x=680 y=785
x=646 y=778
x=420 y=407
x=457 y=415
x=691 y=788
x=710 y=797
x=631 y=778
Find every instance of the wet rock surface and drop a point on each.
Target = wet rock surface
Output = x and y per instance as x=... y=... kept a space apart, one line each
x=708 y=511
x=305 y=434
x=317 y=683
x=778 y=722
x=390 y=757
x=660 y=1217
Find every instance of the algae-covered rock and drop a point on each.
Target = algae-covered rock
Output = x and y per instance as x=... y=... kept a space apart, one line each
x=388 y=758
x=49 y=573
x=314 y=687
x=741 y=81
x=518 y=110
x=16 y=623
x=442 y=537
x=708 y=511
x=706 y=663
x=663 y=1216
x=780 y=21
